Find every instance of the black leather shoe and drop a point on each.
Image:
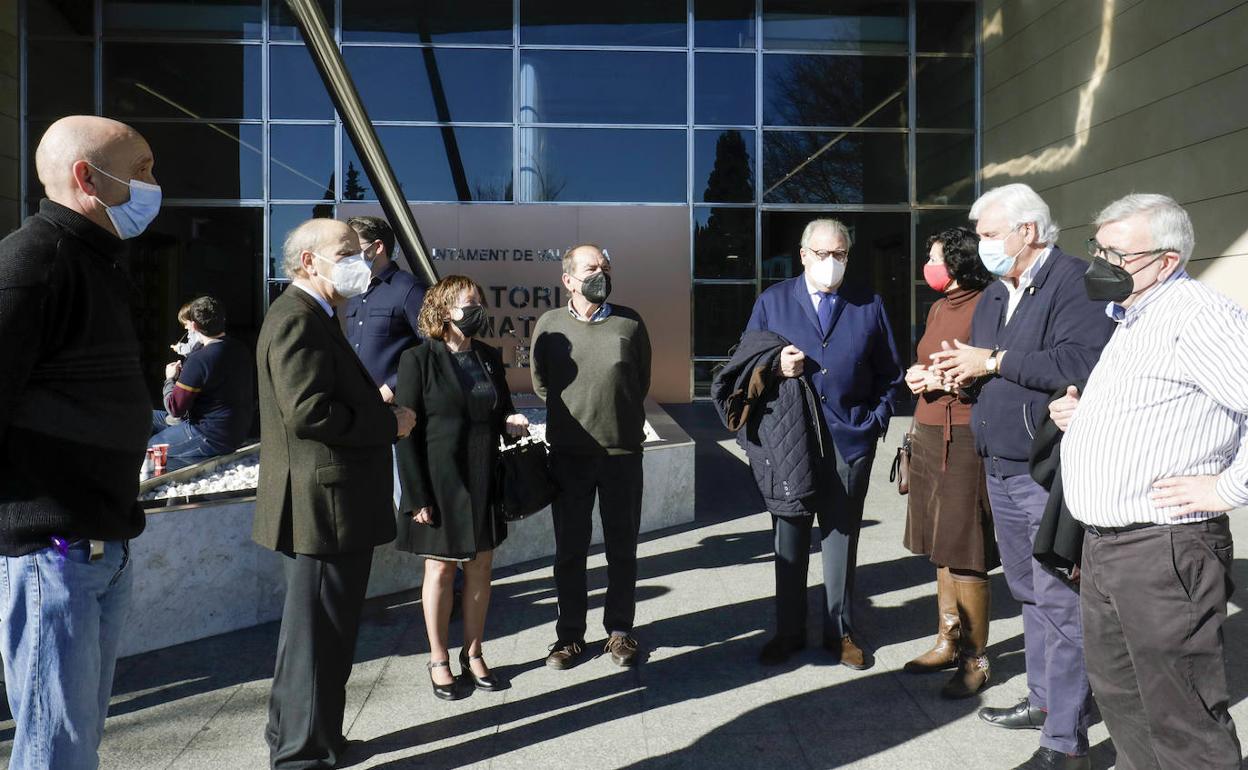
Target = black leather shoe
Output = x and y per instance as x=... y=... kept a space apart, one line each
x=779 y=648
x=1023 y=716
x=443 y=691
x=489 y=682
x=1048 y=759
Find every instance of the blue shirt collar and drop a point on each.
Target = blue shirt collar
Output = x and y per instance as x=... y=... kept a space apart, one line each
x=1127 y=315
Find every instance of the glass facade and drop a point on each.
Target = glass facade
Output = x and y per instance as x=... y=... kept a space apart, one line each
x=756 y=115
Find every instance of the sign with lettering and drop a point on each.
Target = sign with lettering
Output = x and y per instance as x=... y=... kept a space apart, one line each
x=516 y=253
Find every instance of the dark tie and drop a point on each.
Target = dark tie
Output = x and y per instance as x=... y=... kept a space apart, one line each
x=826 y=302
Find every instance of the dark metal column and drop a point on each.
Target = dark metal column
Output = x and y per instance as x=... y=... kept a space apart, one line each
x=320 y=43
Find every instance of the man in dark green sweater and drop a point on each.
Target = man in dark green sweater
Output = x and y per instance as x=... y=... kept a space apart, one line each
x=591 y=364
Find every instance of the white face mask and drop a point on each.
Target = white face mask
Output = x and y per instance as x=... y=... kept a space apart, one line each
x=351 y=275
x=828 y=272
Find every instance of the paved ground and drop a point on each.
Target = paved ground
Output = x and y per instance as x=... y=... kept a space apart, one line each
x=700 y=700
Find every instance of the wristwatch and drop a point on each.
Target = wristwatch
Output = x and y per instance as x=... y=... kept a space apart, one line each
x=991 y=364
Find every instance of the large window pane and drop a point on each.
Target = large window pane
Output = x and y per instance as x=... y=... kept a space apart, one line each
x=429 y=21
x=593 y=164
x=703 y=375
x=723 y=23
x=296 y=91
x=720 y=312
x=945 y=92
x=723 y=166
x=59 y=79
x=207 y=160
x=602 y=87
x=283 y=219
x=607 y=22
x=723 y=89
x=855 y=91
x=843 y=25
x=723 y=242
x=879 y=257
x=834 y=167
x=439 y=164
x=166 y=80
x=435 y=84
x=945 y=27
x=189 y=251
x=301 y=162
x=177 y=18
x=945 y=168
x=65 y=17
x=282 y=25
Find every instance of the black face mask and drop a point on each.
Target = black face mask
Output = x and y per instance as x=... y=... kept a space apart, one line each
x=597 y=287
x=1110 y=283
x=473 y=321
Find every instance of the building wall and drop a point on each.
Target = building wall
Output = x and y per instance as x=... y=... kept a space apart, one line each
x=10 y=111
x=1087 y=100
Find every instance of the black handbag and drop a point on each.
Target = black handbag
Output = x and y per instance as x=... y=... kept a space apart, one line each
x=522 y=480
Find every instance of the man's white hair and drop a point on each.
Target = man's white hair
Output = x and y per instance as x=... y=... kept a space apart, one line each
x=1167 y=220
x=835 y=225
x=307 y=236
x=1021 y=204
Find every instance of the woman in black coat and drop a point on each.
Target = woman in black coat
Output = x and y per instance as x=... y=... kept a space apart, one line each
x=456 y=386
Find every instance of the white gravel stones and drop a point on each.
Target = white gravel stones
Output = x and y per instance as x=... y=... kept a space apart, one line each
x=238 y=476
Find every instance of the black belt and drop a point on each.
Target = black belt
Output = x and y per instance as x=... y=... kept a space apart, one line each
x=1116 y=530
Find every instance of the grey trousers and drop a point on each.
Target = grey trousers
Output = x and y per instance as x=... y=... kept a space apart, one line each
x=1052 y=630
x=838 y=509
x=1154 y=601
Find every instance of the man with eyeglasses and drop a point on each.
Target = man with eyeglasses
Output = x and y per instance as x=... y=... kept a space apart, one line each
x=1153 y=458
x=841 y=344
x=1033 y=333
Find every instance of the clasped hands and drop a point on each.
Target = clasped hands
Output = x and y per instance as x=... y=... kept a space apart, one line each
x=959 y=364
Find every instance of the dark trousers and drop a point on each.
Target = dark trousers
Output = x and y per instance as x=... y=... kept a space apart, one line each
x=315 y=650
x=1154 y=602
x=1052 y=630
x=616 y=480
x=838 y=508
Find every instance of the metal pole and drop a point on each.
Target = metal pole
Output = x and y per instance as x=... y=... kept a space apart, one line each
x=320 y=43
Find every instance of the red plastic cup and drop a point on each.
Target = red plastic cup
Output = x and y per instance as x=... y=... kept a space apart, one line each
x=160 y=456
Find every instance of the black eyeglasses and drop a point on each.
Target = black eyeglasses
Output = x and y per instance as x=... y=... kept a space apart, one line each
x=841 y=255
x=1115 y=257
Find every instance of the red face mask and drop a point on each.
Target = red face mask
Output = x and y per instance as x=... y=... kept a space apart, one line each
x=937 y=276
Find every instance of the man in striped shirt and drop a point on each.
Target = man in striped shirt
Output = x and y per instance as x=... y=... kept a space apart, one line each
x=1154 y=456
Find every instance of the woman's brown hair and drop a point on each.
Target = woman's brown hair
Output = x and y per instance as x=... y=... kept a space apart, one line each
x=439 y=300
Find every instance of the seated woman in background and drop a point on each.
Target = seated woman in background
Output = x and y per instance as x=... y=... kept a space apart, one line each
x=210 y=395
x=456 y=386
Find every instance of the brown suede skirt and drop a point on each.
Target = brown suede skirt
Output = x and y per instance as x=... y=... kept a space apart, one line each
x=948 y=516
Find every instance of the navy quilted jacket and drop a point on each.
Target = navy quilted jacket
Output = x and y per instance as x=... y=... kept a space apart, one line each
x=775 y=419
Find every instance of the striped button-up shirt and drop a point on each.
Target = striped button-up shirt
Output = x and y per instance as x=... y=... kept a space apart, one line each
x=1169 y=397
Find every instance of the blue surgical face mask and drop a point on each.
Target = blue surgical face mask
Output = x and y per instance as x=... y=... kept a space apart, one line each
x=992 y=254
x=133 y=216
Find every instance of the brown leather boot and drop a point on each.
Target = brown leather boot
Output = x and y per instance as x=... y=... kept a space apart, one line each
x=974 y=598
x=944 y=652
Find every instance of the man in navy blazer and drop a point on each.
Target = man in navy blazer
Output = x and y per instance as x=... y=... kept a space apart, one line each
x=1034 y=332
x=842 y=346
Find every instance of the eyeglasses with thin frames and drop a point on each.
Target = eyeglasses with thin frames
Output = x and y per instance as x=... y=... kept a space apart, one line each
x=840 y=255
x=1115 y=257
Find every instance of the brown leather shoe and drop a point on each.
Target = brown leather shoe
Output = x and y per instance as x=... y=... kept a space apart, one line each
x=623 y=649
x=852 y=656
x=564 y=654
x=944 y=653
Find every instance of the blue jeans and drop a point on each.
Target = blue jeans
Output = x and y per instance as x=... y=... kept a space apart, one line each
x=61 y=625
x=187 y=446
